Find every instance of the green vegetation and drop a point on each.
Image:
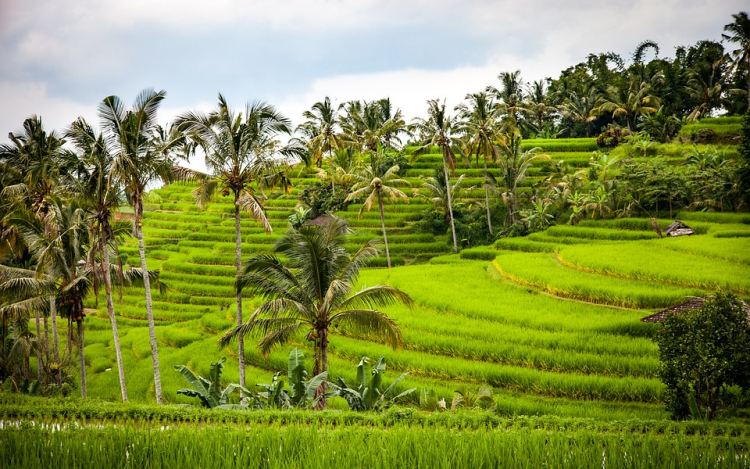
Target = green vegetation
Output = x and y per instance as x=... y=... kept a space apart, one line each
x=517 y=288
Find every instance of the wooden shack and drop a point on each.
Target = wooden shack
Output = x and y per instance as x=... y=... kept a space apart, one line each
x=677 y=228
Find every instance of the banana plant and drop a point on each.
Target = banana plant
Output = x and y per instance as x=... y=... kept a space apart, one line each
x=301 y=392
x=207 y=390
x=368 y=395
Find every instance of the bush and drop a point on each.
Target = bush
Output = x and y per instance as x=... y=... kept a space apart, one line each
x=320 y=198
x=703 y=352
x=611 y=137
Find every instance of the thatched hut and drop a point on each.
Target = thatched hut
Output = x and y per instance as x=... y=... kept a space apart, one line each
x=322 y=220
x=677 y=228
x=325 y=220
x=694 y=303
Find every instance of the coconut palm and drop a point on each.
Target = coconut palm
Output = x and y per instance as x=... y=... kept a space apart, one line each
x=378 y=183
x=369 y=125
x=321 y=130
x=240 y=150
x=57 y=245
x=101 y=196
x=439 y=130
x=580 y=108
x=536 y=106
x=481 y=128
x=738 y=32
x=312 y=293
x=141 y=158
x=510 y=96
x=514 y=164
x=36 y=155
x=629 y=103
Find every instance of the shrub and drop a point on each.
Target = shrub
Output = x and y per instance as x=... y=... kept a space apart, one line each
x=703 y=352
x=611 y=137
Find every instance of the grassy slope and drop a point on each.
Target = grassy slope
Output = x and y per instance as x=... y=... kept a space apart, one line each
x=542 y=354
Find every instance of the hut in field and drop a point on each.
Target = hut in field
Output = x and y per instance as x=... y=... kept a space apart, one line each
x=322 y=220
x=677 y=228
x=325 y=220
x=694 y=303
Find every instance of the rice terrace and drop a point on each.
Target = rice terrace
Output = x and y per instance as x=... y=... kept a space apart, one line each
x=551 y=273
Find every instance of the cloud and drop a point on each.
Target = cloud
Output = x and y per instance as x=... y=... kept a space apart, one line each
x=23 y=100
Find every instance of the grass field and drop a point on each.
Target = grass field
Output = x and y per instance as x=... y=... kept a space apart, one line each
x=550 y=321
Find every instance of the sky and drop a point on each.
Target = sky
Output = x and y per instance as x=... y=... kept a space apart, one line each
x=60 y=58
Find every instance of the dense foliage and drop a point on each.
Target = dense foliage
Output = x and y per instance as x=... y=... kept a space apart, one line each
x=703 y=353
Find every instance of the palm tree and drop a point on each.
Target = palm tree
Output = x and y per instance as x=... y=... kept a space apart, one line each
x=514 y=164
x=57 y=244
x=140 y=159
x=321 y=130
x=510 y=95
x=369 y=125
x=536 y=106
x=738 y=32
x=378 y=183
x=312 y=293
x=708 y=91
x=101 y=195
x=580 y=108
x=439 y=130
x=239 y=153
x=35 y=154
x=481 y=128
x=630 y=102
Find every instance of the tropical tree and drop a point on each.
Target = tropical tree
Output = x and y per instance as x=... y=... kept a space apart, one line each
x=628 y=102
x=36 y=155
x=738 y=32
x=141 y=158
x=100 y=192
x=536 y=107
x=510 y=95
x=439 y=129
x=580 y=107
x=320 y=130
x=240 y=150
x=312 y=293
x=514 y=165
x=378 y=184
x=481 y=129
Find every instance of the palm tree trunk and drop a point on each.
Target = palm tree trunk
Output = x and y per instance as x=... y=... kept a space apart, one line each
x=70 y=346
x=238 y=265
x=45 y=322
x=382 y=224
x=112 y=318
x=487 y=197
x=149 y=308
x=321 y=365
x=81 y=358
x=55 y=341
x=450 y=203
x=39 y=363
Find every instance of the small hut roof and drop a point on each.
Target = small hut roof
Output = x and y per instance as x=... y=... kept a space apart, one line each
x=322 y=220
x=694 y=303
x=325 y=220
x=678 y=228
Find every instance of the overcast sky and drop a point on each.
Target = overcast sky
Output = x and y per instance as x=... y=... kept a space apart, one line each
x=59 y=58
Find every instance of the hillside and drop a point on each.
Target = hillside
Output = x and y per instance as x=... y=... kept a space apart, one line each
x=550 y=321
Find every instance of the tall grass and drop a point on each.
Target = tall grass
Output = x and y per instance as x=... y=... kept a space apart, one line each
x=545 y=272
x=640 y=261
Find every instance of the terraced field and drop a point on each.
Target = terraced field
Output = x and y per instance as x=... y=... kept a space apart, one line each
x=550 y=321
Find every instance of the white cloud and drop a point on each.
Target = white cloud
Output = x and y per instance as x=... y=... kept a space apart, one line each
x=22 y=100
